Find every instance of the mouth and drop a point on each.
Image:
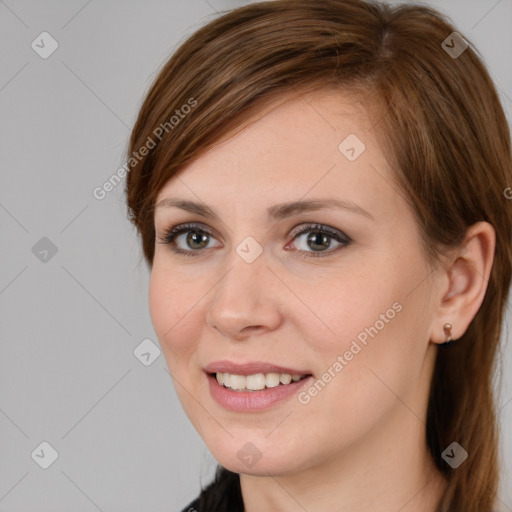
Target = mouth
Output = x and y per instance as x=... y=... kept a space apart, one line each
x=256 y=381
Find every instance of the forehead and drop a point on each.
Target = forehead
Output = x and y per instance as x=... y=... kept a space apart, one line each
x=310 y=144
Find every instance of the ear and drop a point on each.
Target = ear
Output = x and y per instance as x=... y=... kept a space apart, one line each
x=465 y=282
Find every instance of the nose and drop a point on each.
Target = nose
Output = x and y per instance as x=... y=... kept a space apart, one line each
x=246 y=300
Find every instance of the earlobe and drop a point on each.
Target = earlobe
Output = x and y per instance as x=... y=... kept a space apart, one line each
x=468 y=277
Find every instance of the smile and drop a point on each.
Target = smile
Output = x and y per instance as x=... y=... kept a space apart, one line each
x=255 y=382
x=250 y=400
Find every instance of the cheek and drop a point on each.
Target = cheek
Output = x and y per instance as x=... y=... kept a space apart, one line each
x=172 y=311
x=372 y=321
x=342 y=305
x=364 y=369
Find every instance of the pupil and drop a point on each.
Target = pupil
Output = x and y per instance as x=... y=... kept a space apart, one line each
x=323 y=238
x=194 y=235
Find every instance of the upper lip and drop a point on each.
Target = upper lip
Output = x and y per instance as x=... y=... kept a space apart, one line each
x=251 y=368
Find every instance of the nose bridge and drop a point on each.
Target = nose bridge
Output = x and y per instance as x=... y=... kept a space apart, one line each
x=245 y=295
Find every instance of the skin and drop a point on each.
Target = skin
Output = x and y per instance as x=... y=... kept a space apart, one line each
x=359 y=444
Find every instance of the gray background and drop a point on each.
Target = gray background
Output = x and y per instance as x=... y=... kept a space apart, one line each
x=69 y=325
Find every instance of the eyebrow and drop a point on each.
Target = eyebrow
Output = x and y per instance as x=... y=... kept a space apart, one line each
x=276 y=212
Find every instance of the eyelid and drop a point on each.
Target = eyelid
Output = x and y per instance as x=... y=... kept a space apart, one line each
x=304 y=227
x=181 y=228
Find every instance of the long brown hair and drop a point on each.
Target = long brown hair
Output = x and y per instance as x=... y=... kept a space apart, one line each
x=445 y=135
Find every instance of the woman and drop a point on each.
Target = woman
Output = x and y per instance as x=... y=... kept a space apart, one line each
x=320 y=192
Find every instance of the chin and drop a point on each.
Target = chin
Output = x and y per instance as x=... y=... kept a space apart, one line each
x=261 y=468
x=250 y=461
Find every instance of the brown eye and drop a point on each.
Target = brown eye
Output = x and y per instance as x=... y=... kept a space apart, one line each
x=319 y=240
x=195 y=241
x=196 y=237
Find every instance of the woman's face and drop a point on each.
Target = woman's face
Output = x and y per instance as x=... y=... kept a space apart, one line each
x=356 y=316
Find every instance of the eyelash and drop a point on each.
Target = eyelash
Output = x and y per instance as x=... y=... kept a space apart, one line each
x=171 y=234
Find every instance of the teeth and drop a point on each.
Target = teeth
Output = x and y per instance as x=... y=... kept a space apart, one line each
x=255 y=382
x=285 y=378
x=272 y=380
x=237 y=382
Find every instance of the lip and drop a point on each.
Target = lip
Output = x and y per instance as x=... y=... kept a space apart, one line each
x=254 y=401
x=251 y=368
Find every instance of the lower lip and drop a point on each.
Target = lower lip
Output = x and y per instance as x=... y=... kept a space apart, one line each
x=248 y=401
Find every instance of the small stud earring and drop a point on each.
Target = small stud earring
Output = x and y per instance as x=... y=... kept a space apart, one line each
x=448 y=333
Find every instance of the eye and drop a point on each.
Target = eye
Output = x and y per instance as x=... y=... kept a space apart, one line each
x=196 y=239
x=319 y=238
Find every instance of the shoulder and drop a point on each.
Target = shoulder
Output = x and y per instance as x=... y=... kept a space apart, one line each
x=223 y=494
x=193 y=506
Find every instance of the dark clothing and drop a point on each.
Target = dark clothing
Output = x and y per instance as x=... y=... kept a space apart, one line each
x=221 y=495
